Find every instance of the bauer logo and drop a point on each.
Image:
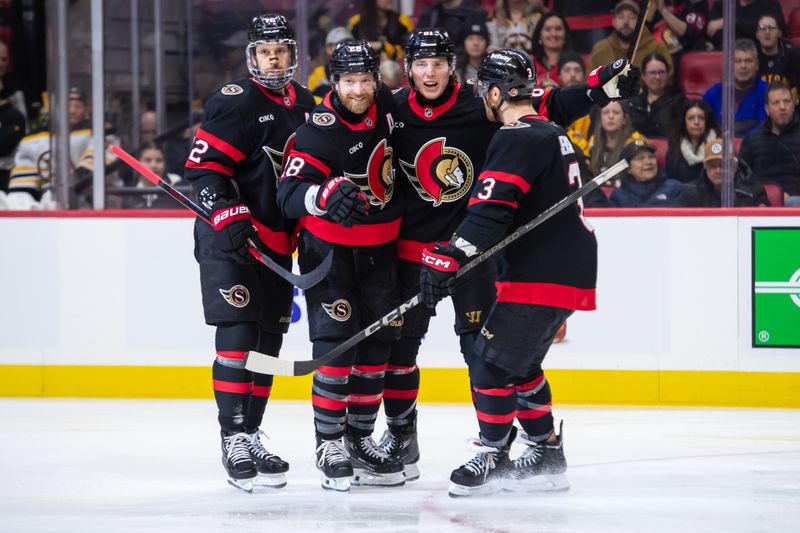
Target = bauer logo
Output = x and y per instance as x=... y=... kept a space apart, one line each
x=237 y=296
x=776 y=288
x=339 y=310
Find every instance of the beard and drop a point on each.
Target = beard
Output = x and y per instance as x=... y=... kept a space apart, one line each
x=356 y=106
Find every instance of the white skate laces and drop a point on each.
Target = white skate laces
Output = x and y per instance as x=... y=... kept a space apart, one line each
x=390 y=443
x=531 y=456
x=370 y=448
x=257 y=448
x=484 y=459
x=237 y=446
x=330 y=451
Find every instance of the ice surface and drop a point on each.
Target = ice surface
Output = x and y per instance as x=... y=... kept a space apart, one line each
x=154 y=466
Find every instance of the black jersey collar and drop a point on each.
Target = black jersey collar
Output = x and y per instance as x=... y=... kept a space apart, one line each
x=364 y=121
x=431 y=109
x=286 y=100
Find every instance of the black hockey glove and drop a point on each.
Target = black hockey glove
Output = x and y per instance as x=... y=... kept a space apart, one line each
x=616 y=81
x=233 y=227
x=343 y=201
x=437 y=277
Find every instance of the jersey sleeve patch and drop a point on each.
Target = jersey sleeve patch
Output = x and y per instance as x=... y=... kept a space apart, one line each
x=323 y=119
x=231 y=89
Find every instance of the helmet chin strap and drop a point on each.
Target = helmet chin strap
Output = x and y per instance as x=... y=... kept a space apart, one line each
x=495 y=109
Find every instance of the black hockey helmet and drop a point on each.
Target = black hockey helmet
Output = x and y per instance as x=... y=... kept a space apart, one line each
x=354 y=57
x=511 y=70
x=271 y=28
x=430 y=42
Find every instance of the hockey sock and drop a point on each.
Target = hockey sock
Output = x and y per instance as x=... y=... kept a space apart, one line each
x=534 y=407
x=366 y=386
x=232 y=388
x=329 y=391
x=401 y=385
x=496 y=409
x=269 y=343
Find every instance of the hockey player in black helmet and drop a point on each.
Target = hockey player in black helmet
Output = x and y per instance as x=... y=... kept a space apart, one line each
x=542 y=279
x=234 y=163
x=339 y=181
x=440 y=143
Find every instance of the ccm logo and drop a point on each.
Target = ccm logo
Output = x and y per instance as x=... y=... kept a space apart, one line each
x=436 y=262
x=229 y=213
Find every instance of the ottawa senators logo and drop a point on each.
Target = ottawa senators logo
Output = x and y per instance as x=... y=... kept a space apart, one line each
x=277 y=158
x=443 y=173
x=339 y=310
x=237 y=296
x=378 y=183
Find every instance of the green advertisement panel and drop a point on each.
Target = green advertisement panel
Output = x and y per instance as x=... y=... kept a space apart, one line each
x=776 y=288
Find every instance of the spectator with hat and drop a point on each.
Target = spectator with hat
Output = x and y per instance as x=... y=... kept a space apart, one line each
x=476 y=43
x=455 y=16
x=642 y=185
x=319 y=79
x=706 y=191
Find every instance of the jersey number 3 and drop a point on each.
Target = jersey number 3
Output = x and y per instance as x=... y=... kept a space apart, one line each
x=574 y=175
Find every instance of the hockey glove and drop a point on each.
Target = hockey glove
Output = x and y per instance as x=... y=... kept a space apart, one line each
x=343 y=201
x=616 y=81
x=233 y=227
x=439 y=267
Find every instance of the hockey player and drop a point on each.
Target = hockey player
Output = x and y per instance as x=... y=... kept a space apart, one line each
x=339 y=180
x=234 y=165
x=440 y=140
x=542 y=279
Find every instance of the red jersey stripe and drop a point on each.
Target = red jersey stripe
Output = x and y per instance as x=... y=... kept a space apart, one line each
x=211 y=165
x=506 y=177
x=531 y=384
x=505 y=391
x=311 y=160
x=473 y=201
x=551 y=294
x=357 y=235
x=223 y=146
x=283 y=243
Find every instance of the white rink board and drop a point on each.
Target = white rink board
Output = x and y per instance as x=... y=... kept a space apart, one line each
x=673 y=294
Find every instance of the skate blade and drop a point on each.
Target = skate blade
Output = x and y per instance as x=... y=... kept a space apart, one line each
x=269 y=481
x=411 y=472
x=242 y=484
x=365 y=478
x=461 y=491
x=544 y=483
x=337 y=484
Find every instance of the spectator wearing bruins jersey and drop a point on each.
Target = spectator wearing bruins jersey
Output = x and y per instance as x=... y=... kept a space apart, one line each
x=542 y=278
x=234 y=165
x=340 y=182
x=440 y=138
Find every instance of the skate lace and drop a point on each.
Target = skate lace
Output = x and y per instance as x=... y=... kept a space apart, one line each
x=531 y=456
x=257 y=448
x=331 y=452
x=483 y=460
x=369 y=447
x=389 y=443
x=238 y=448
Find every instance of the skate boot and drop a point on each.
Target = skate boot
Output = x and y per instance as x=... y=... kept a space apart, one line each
x=371 y=466
x=237 y=462
x=271 y=468
x=540 y=468
x=333 y=464
x=401 y=442
x=484 y=473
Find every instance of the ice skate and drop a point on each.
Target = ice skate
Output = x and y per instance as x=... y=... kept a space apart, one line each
x=371 y=465
x=271 y=468
x=484 y=473
x=540 y=468
x=237 y=462
x=401 y=442
x=333 y=464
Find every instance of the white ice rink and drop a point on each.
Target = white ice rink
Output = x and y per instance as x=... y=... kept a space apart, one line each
x=154 y=466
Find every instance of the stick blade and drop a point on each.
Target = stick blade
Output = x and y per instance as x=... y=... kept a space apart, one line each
x=262 y=363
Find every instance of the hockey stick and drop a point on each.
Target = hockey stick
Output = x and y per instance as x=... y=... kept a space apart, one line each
x=301 y=281
x=644 y=7
x=267 y=364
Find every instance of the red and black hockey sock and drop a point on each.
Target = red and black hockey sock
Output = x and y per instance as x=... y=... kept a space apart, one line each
x=496 y=408
x=232 y=389
x=401 y=385
x=366 y=386
x=329 y=392
x=534 y=407
x=269 y=343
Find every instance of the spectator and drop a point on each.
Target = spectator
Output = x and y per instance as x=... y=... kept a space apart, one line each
x=550 y=41
x=749 y=90
x=686 y=24
x=616 y=45
x=773 y=152
x=391 y=74
x=688 y=139
x=706 y=190
x=384 y=28
x=455 y=16
x=475 y=46
x=10 y=88
x=747 y=14
x=642 y=185
x=152 y=156
x=12 y=130
x=512 y=24
x=589 y=20
x=319 y=79
x=776 y=60
x=148 y=128
x=656 y=107
x=571 y=72
x=611 y=134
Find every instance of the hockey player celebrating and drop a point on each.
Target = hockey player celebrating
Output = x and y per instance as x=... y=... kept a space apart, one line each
x=542 y=279
x=339 y=180
x=440 y=140
x=234 y=165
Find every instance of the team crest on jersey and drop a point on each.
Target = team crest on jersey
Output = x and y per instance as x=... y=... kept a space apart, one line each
x=278 y=158
x=231 y=89
x=378 y=183
x=237 y=296
x=339 y=310
x=443 y=173
x=323 y=119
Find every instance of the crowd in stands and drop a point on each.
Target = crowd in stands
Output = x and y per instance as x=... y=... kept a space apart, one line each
x=670 y=133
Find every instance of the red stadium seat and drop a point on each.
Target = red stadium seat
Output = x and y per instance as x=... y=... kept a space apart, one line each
x=774 y=194
x=661 y=151
x=737 y=143
x=699 y=71
x=607 y=190
x=793 y=25
x=788 y=6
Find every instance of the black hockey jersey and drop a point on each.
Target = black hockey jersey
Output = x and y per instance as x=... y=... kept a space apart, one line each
x=556 y=263
x=241 y=146
x=335 y=142
x=440 y=148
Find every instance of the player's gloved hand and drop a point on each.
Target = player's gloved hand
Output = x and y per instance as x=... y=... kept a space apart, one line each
x=343 y=201
x=439 y=266
x=233 y=226
x=615 y=81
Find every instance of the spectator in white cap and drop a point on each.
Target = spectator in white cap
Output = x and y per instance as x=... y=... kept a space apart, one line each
x=318 y=80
